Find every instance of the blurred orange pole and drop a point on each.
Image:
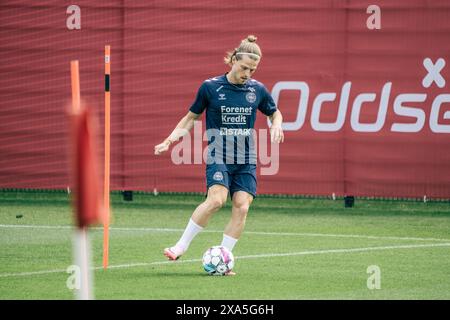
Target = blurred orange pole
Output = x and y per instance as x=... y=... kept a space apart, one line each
x=81 y=243
x=107 y=158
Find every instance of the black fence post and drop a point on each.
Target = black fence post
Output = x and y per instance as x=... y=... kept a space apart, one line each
x=349 y=201
x=128 y=195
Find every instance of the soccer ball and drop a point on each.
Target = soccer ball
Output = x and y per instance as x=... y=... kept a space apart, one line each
x=218 y=260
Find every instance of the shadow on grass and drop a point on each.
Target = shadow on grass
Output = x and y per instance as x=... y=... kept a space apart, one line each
x=158 y=273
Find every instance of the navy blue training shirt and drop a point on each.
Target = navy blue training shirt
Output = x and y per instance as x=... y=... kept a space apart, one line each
x=230 y=117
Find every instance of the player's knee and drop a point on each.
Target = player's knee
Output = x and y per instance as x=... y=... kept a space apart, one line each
x=215 y=203
x=242 y=208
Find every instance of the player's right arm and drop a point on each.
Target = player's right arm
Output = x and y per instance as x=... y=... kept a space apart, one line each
x=183 y=127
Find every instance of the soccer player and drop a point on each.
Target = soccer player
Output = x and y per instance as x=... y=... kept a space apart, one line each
x=231 y=101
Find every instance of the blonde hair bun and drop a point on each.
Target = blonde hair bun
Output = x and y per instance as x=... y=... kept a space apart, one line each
x=247 y=46
x=251 y=38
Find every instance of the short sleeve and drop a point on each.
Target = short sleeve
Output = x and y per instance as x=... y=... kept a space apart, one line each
x=201 y=100
x=267 y=105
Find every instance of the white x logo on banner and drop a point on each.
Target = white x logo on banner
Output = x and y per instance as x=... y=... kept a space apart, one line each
x=433 y=73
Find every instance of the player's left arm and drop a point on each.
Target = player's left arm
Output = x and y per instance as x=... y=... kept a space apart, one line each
x=276 y=131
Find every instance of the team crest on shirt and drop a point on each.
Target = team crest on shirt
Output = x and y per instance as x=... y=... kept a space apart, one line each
x=251 y=97
x=218 y=176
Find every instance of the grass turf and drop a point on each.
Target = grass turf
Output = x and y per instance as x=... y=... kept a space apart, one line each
x=291 y=249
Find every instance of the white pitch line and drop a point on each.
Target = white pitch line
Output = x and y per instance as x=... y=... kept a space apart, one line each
x=31 y=273
x=270 y=255
x=246 y=232
x=351 y=250
x=347 y=236
x=34 y=226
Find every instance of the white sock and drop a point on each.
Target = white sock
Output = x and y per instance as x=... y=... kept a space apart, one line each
x=192 y=229
x=228 y=242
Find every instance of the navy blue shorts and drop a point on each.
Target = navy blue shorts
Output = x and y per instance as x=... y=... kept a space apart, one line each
x=235 y=177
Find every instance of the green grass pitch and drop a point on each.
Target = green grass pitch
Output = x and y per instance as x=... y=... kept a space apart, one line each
x=291 y=249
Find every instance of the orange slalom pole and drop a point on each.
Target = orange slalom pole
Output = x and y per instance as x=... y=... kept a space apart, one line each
x=75 y=82
x=107 y=157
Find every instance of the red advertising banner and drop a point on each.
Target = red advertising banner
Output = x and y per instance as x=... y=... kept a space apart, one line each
x=363 y=89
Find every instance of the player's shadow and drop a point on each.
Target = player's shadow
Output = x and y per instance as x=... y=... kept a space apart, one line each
x=174 y=274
